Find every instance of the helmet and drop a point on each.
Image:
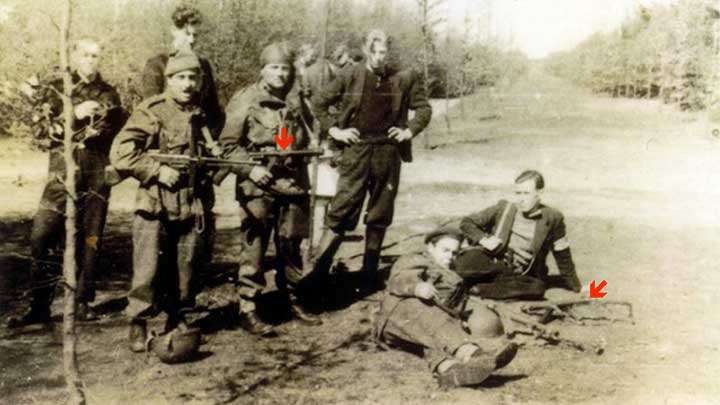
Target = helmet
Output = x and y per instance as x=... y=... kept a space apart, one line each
x=484 y=322
x=176 y=346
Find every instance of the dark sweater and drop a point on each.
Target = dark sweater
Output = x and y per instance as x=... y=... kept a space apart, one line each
x=374 y=115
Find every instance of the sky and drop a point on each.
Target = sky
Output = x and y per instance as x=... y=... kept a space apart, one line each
x=540 y=27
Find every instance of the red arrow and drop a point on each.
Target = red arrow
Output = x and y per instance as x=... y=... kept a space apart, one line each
x=596 y=292
x=284 y=139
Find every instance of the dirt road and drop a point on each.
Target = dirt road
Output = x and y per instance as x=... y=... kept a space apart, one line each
x=635 y=179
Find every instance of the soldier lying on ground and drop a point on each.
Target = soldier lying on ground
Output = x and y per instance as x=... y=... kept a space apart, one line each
x=169 y=233
x=98 y=117
x=413 y=316
x=514 y=239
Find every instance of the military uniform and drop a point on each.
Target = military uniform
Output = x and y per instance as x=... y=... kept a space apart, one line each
x=91 y=156
x=169 y=229
x=254 y=117
x=152 y=82
x=406 y=321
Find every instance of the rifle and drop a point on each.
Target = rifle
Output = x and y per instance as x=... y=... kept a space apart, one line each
x=514 y=323
x=184 y=162
x=286 y=153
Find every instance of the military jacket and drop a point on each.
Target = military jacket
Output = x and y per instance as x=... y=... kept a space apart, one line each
x=163 y=124
x=254 y=118
x=406 y=273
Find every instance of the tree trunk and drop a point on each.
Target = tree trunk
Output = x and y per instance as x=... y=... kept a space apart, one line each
x=72 y=375
x=424 y=29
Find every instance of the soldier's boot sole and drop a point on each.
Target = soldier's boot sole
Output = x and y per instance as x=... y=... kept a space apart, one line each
x=467 y=374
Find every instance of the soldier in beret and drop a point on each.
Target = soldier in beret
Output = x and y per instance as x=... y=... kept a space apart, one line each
x=272 y=197
x=184 y=30
x=169 y=228
x=460 y=352
x=98 y=118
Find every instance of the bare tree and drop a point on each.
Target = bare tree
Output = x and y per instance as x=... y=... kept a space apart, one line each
x=72 y=375
x=426 y=28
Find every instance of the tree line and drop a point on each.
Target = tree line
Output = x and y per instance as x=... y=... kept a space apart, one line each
x=665 y=52
x=233 y=34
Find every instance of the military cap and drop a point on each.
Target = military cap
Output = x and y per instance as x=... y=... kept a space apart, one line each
x=449 y=231
x=181 y=61
x=275 y=53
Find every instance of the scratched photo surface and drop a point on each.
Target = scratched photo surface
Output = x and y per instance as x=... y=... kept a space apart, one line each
x=224 y=153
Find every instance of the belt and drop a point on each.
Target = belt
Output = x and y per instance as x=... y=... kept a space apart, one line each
x=376 y=140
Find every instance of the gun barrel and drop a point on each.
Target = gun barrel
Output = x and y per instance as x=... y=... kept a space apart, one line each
x=281 y=153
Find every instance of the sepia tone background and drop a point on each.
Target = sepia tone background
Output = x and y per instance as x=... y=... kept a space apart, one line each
x=621 y=123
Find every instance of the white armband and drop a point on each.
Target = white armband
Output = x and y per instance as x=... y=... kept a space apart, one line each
x=561 y=244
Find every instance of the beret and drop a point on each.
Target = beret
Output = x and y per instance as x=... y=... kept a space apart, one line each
x=181 y=61
x=275 y=53
x=449 y=231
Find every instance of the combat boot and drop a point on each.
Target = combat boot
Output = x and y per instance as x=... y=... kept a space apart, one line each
x=464 y=374
x=253 y=324
x=501 y=356
x=32 y=316
x=322 y=258
x=299 y=312
x=370 y=277
x=138 y=335
x=85 y=313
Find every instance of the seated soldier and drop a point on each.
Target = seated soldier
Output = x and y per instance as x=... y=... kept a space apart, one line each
x=415 y=316
x=514 y=240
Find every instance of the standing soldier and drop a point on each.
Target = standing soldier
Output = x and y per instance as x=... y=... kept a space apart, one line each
x=373 y=130
x=185 y=22
x=171 y=209
x=98 y=117
x=273 y=197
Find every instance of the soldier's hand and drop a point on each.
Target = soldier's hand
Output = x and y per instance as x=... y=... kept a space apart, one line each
x=168 y=176
x=260 y=175
x=87 y=109
x=490 y=243
x=400 y=134
x=348 y=135
x=425 y=291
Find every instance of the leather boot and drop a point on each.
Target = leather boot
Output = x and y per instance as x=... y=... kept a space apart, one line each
x=138 y=335
x=85 y=313
x=327 y=247
x=31 y=316
x=299 y=312
x=374 y=237
x=253 y=324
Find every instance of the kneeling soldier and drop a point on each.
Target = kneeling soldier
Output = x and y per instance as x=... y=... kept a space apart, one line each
x=272 y=197
x=171 y=207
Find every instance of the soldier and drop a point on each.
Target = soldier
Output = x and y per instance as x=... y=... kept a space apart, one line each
x=414 y=314
x=98 y=117
x=515 y=239
x=185 y=22
x=171 y=210
x=373 y=130
x=272 y=198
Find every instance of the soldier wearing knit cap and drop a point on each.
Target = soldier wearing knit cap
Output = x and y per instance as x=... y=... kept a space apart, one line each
x=267 y=208
x=171 y=235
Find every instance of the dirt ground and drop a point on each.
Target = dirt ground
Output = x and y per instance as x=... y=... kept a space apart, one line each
x=636 y=180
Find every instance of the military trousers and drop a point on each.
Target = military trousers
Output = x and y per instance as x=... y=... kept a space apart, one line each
x=166 y=257
x=48 y=229
x=283 y=218
x=365 y=169
x=414 y=325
